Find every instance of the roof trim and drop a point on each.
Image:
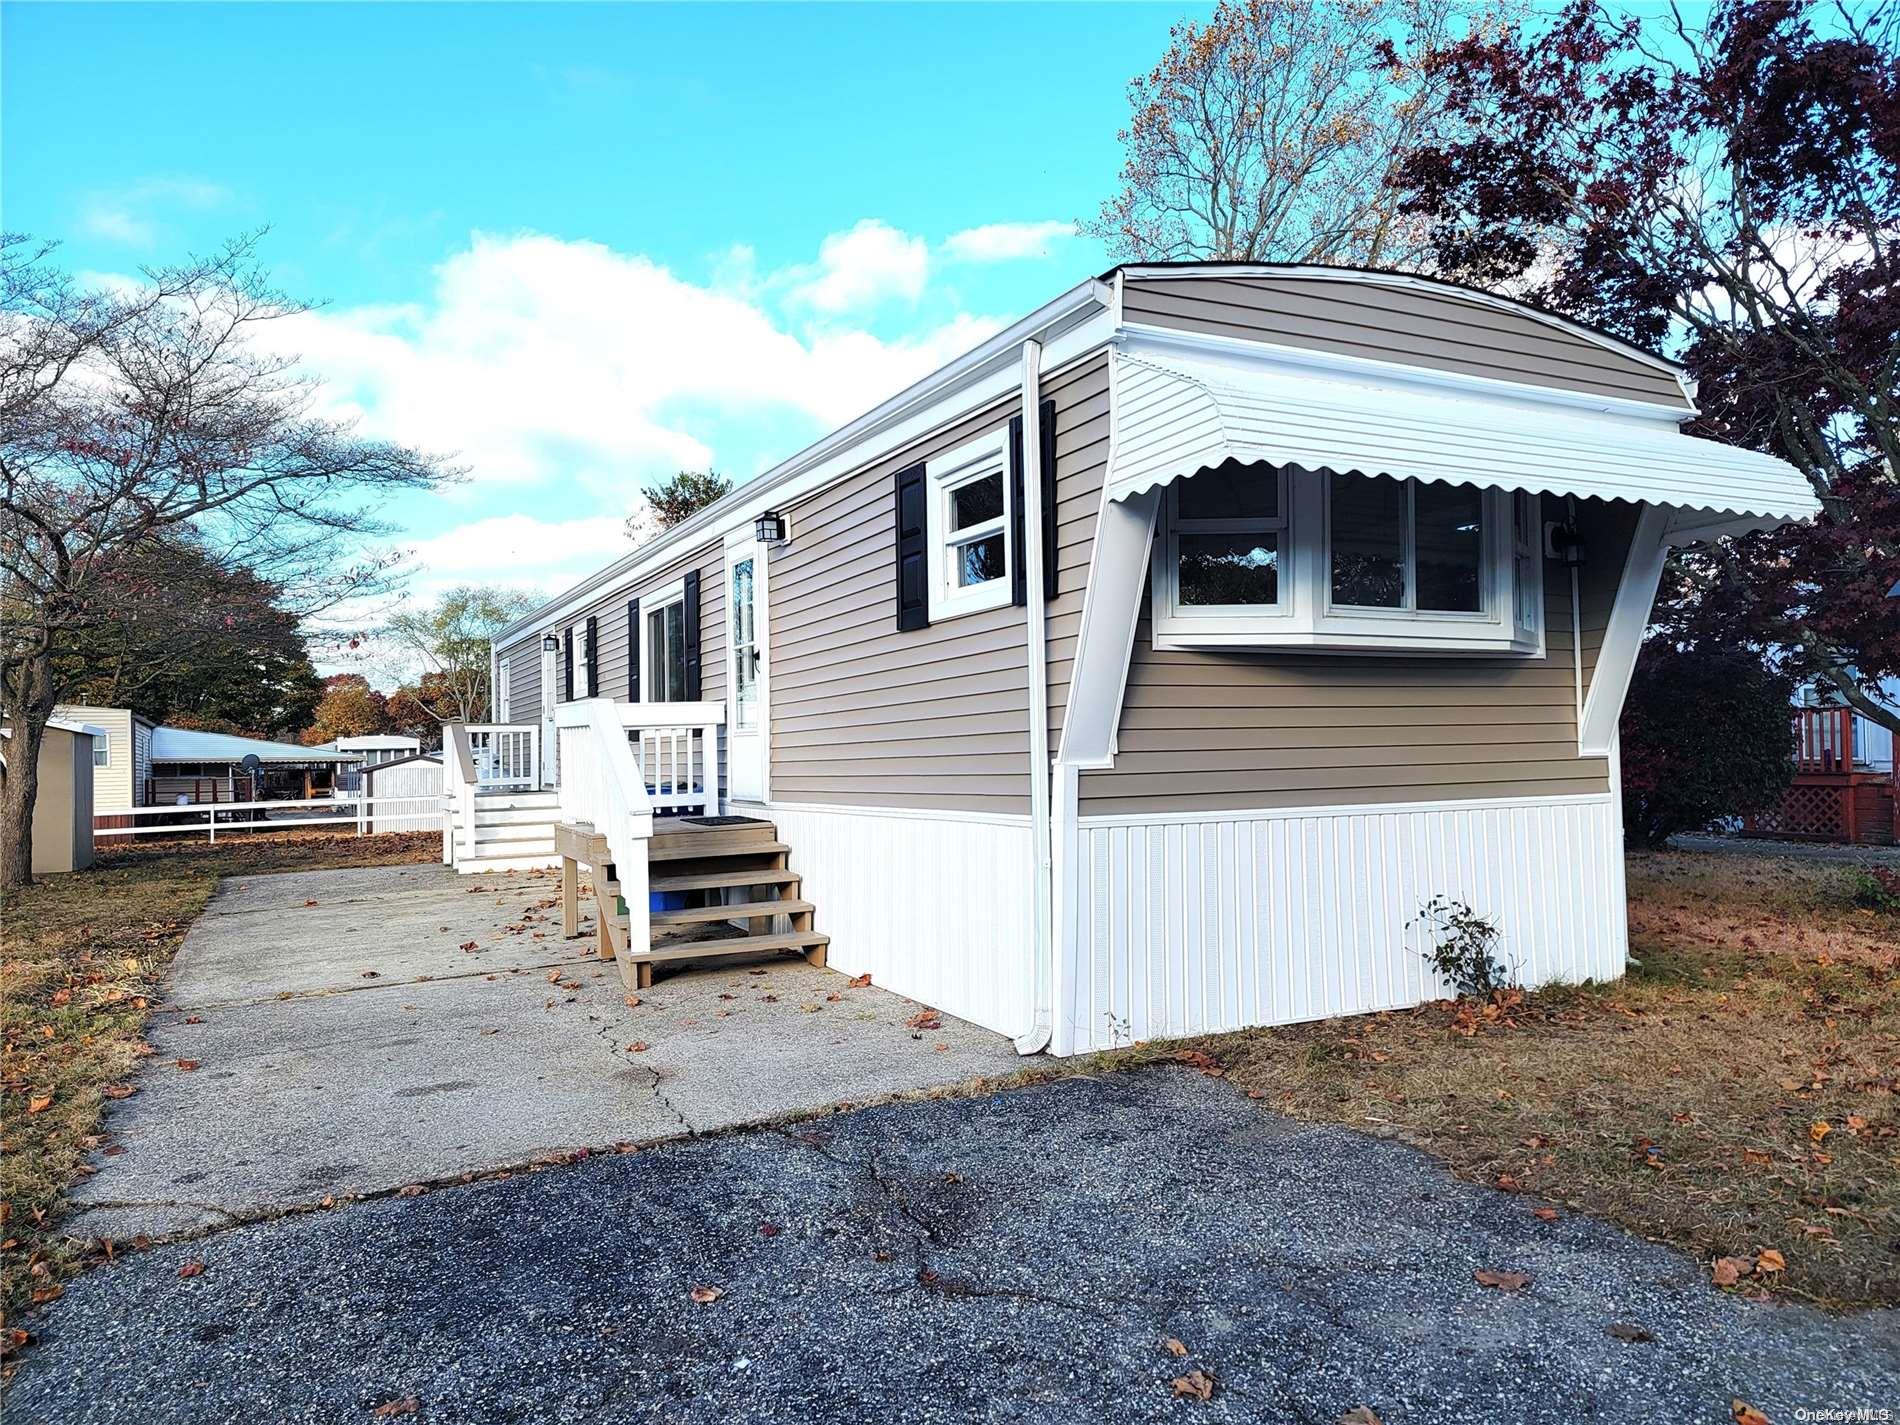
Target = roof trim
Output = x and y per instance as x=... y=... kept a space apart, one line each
x=867 y=438
x=1381 y=277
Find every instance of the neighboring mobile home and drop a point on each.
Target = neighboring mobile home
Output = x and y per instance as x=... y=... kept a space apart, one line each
x=1323 y=602
x=139 y=763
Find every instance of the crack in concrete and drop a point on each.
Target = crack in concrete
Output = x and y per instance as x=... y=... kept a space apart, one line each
x=85 y=1205
x=295 y=996
x=609 y=1034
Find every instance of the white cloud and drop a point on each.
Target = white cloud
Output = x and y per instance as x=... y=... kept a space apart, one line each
x=131 y=214
x=871 y=263
x=1006 y=242
x=538 y=360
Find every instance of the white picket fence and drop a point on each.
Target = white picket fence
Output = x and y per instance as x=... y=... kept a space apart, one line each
x=364 y=816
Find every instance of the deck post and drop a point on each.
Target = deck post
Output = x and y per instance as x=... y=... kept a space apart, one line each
x=570 y=898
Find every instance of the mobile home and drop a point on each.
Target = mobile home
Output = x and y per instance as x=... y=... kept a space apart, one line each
x=1144 y=670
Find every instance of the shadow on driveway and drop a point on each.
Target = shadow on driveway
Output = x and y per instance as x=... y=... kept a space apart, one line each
x=1019 y=1257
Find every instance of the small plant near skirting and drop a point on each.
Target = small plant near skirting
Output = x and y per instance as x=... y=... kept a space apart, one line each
x=1877 y=888
x=1465 y=953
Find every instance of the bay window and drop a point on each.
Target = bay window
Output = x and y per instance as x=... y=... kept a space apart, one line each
x=1250 y=556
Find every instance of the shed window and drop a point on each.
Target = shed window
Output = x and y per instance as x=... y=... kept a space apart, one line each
x=101 y=752
x=663 y=646
x=970 y=554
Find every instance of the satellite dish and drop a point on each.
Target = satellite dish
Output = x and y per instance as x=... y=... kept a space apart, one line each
x=252 y=763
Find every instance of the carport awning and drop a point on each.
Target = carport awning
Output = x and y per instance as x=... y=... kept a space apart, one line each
x=1177 y=413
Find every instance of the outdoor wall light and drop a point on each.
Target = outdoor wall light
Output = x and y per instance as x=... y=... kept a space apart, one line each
x=770 y=528
x=550 y=644
x=1563 y=543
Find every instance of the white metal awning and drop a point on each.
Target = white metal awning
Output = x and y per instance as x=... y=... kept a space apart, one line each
x=1178 y=411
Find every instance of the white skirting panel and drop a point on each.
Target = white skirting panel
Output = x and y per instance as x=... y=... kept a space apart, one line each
x=1211 y=921
x=933 y=906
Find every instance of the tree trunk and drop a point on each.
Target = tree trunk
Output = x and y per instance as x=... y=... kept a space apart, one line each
x=26 y=703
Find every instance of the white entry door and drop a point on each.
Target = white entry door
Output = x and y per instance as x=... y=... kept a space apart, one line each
x=748 y=722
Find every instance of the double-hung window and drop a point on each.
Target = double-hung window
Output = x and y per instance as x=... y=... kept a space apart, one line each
x=663 y=646
x=969 y=554
x=101 y=752
x=1226 y=535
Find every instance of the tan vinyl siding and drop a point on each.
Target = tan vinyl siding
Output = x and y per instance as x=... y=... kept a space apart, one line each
x=863 y=714
x=1386 y=322
x=1081 y=397
x=1204 y=731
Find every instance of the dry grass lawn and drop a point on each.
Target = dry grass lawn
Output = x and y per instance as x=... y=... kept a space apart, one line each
x=1734 y=1095
x=84 y=957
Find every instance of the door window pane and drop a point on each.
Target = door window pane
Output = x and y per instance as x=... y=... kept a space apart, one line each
x=1231 y=492
x=1229 y=569
x=1368 y=531
x=745 y=651
x=1448 y=525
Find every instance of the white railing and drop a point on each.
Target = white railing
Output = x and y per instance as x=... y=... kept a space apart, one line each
x=601 y=786
x=678 y=749
x=356 y=814
x=459 y=785
x=506 y=754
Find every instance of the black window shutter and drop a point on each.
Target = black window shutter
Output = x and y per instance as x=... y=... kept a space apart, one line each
x=689 y=632
x=593 y=657
x=567 y=666
x=913 y=562
x=633 y=650
x=1019 y=570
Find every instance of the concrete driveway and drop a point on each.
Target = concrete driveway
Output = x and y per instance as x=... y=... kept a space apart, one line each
x=1021 y=1257
x=356 y=1031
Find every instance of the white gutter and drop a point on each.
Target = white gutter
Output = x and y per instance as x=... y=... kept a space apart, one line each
x=1036 y=1038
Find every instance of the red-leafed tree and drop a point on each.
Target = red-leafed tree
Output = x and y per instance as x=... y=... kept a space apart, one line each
x=1729 y=192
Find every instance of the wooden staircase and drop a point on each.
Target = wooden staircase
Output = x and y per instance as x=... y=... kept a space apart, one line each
x=729 y=885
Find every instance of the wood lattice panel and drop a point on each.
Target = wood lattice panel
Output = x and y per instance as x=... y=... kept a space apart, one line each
x=1806 y=810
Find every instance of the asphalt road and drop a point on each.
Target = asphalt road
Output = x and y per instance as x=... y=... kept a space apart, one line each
x=1020 y=1257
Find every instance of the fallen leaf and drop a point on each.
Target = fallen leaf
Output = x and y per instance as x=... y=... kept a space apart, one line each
x=408 y=1405
x=40 y=1104
x=554 y=976
x=118 y=1090
x=1746 y=1414
x=924 y=1019
x=194 y=1019
x=187 y=1064
x=309 y=902
x=633 y=1001
x=1624 y=1331
x=769 y=1229
x=1729 y=1270
x=372 y=974
x=1770 y=1261
x=1502 y=1281
x=193 y=1268
x=637 y=1047
x=1546 y=1214
x=858 y=982
x=471 y=945
x=1819 y=1129
x=410 y=1190
x=1360 y=1415
x=1173 y=1347
x=1195 y=1385
x=706 y=1295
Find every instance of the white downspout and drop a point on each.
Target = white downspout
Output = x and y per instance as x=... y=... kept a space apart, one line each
x=1041 y=966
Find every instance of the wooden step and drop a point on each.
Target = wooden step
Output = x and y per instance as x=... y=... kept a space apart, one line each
x=806 y=941
x=720 y=880
x=748 y=910
x=695 y=849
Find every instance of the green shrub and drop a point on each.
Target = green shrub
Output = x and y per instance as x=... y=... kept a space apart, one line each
x=1707 y=733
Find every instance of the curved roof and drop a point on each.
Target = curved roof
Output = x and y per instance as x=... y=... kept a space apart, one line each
x=182 y=744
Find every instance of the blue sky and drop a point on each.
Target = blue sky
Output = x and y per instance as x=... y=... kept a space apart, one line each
x=580 y=246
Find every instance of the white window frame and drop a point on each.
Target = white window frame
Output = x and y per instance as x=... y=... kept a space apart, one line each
x=503 y=693
x=101 y=744
x=1216 y=617
x=1306 y=619
x=652 y=650
x=944 y=475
